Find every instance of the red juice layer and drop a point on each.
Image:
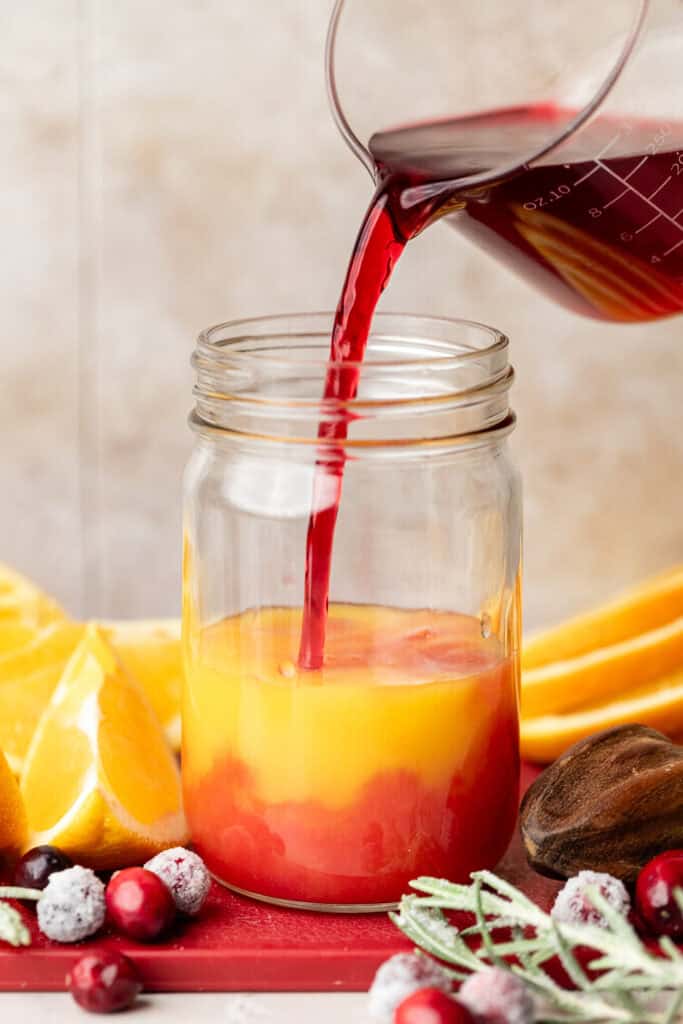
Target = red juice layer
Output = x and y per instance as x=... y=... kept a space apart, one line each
x=364 y=853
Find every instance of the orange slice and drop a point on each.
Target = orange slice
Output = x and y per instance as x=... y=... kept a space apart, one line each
x=50 y=646
x=28 y=677
x=14 y=635
x=22 y=702
x=150 y=650
x=99 y=780
x=659 y=705
x=654 y=603
x=12 y=816
x=604 y=673
x=23 y=601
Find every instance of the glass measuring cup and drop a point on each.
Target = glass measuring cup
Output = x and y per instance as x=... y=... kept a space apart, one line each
x=562 y=155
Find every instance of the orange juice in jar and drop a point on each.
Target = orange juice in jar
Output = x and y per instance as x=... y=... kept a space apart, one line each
x=334 y=787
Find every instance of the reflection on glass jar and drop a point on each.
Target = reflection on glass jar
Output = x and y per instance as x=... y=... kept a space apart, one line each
x=399 y=757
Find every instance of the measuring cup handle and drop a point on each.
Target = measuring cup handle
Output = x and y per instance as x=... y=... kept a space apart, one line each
x=347 y=132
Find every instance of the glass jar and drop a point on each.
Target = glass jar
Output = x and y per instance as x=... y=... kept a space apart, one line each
x=333 y=788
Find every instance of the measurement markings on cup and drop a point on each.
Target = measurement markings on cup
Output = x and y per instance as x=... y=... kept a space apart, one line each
x=658 y=212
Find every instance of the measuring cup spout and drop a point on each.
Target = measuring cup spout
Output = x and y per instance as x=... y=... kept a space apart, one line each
x=442 y=60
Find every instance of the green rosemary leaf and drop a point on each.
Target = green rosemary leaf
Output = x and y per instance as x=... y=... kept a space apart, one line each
x=569 y=961
x=12 y=928
x=669 y=948
x=674 y=1008
x=487 y=941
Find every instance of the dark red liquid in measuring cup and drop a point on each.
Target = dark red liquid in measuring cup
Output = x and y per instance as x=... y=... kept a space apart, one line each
x=598 y=227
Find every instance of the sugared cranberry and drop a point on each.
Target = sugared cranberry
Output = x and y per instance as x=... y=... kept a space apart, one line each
x=35 y=867
x=400 y=976
x=72 y=906
x=573 y=904
x=104 y=982
x=497 y=996
x=432 y=1006
x=139 y=904
x=185 y=874
x=655 y=899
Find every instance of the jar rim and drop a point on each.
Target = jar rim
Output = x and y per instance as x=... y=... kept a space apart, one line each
x=220 y=342
x=423 y=379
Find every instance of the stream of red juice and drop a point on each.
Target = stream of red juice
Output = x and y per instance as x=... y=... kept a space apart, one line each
x=381 y=241
x=599 y=228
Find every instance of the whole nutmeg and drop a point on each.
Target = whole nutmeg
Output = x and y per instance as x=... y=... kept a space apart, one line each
x=609 y=804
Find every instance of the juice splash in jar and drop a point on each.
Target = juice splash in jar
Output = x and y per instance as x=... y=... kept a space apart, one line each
x=337 y=787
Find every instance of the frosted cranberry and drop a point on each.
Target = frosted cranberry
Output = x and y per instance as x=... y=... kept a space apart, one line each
x=432 y=1006
x=400 y=976
x=104 y=982
x=655 y=899
x=72 y=906
x=139 y=904
x=35 y=867
x=185 y=874
x=497 y=996
x=573 y=904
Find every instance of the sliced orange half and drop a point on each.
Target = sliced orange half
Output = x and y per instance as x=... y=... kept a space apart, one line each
x=99 y=780
x=12 y=816
x=649 y=606
x=659 y=705
x=150 y=650
x=22 y=601
x=603 y=674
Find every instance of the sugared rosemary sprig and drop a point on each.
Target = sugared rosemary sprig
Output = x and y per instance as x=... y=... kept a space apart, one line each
x=635 y=986
x=12 y=928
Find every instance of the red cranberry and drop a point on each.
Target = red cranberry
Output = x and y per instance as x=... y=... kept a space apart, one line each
x=655 y=900
x=35 y=867
x=139 y=904
x=432 y=1006
x=104 y=982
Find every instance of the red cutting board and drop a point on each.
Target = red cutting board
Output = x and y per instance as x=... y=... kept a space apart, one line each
x=239 y=945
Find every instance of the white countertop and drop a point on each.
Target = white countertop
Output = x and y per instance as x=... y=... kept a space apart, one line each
x=332 y=1008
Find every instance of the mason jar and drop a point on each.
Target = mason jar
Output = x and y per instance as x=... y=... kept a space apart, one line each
x=332 y=785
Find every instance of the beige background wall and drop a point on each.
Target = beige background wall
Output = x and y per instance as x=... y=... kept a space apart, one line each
x=168 y=165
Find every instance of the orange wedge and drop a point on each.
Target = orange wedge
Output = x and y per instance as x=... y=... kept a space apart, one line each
x=99 y=780
x=28 y=677
x=14 y=635
x=50 y=646
x=150 y=650
x=30 y=672
x=12 y=816
x=23 y=601
x=653 y=604
x=22 y=703
x=604 y=673
x=659 y=705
